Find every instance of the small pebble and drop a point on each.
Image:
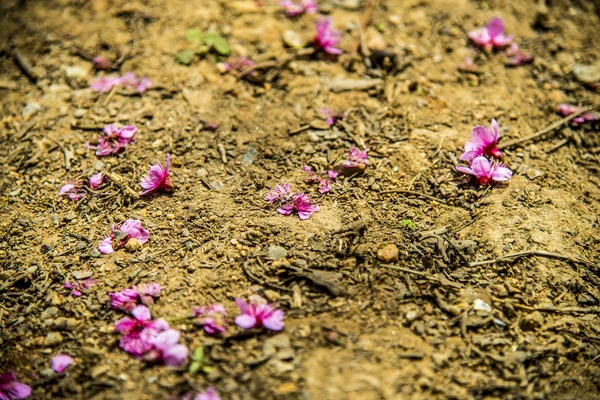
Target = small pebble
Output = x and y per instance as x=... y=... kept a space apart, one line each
x=388 y=254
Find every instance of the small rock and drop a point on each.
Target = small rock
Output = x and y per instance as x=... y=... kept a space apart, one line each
x=587 y=73
x=82 y=274
x=75 y=72
x=133 y=245
x=95 y=253
x=99 y=370
x=52 y=339
x=319 y=124
x=276 y=253
x=272 y=295
x=80 y=246
x=249 y=157
x=30 y=109
x=216 y=185
x=292 y=39
x=79 y=113
x=49 y=312
x=532 y=321
x=557 y=96
x=388 y=254
x=47 y=372
x=411 y=316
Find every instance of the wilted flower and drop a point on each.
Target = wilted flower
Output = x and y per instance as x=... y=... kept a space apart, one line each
x=209 y=394
x=300 y=203
x=100 y=63
x=327 y=37
x=105 y=84
x=133 y=230
x=61 y=362
x=483 y=142
x=139 y=332
x=211 y=317
x=114 y=139
x=330 y=116
x=77 y=286
x=157 y=178
x=492 y=36
x=11 y=389
x=280 y=193
x=96 y=180
x=258 y=313
x=236 y=64
x=566 y=109
x=323 y=181
x=486 y=171
x=355 y=157
x=168 y=349
x=125 y=300
x=72 y=190
x=296 y=7
x=516 y=57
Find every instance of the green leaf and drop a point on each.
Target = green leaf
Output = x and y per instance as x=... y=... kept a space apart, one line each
x=198 y=354
x=194 y=36
x=217 y=42
x=195 y=367
x=206 y=369
x=408 y=224
x=185 y=57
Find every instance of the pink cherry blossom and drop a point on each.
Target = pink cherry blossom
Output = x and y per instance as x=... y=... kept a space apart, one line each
x=296 y=7
x=158 y=178
x=143 y=85
x=105 y=84
x=327 y=37
x=300 y=203
x=355 y=157
x=324 y=179
x=140 y=331
x=516 y=57
x=483 y=142
x=96 y=180
x=125 y=300
x=133 y=228
x=61 y=362
x=211 y=317
x=113 y=140
x=280 y=193
x=149 y=292
x=209 y=394
x=73 y=191
x=566 y=109
x=100 y=63
x=492 y=36
x=166 y=347
x=258 y=313
x=486 y=171
x=11 y=389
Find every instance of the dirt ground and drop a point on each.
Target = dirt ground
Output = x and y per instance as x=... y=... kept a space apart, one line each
x=356 y=327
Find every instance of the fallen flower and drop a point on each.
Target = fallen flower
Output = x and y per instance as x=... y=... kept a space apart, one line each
x=492 y=36
x=211 y=317
x=331 y=117
x=96 y=180
x=566 y=109
x=293 y=8
x=114 y=139
x=125 y=300
x=11 y=389
x=167 y=347
x=258 y=313
x=132 y=228
x=280 y=193
x=73 y=191
x=209 y=394
x=140 y=331
x=486 y=171
x=355 y=158
x=484 y=141
x=76 y=286
x=301 y=203
x=157 y=178
x=105 y=84
x=61 y=362
x=148 y=293
x=324 y=182
x=516 y=57
x=327 y=37
x=143 y=85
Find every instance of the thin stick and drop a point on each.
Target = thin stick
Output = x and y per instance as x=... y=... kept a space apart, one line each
x=539 y=253
x=444 y=282
x=402 y=191
x=24 y=65
x=547 y=129
x=301 y=129
x=565 y=310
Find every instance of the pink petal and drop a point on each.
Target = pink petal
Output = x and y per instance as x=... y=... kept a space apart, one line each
x=16 y=390
x=495 y=27
x=245 y=321
x=124 y=324
x=480 y=36
x=134 y=344
x=175 y=356
x=501 y=174
x=481 y=166
x=166 y=339
x=61 y=362
x=464 y=170
x=127 y=131
x=106 y=246
x=66 y=189
x=274 y=321
x=159 y=325
x=141 y=313
x=481 y=136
